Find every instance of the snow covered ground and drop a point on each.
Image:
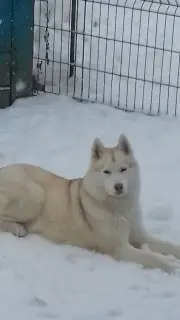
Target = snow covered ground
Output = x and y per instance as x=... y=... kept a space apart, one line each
x=41 y=280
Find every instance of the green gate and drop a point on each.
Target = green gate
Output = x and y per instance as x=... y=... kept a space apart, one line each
x=16 y=50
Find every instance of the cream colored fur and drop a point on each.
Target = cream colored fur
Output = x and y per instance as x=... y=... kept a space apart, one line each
x=100 y=211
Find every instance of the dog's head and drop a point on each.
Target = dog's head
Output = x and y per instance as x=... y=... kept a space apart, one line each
x=113 y=171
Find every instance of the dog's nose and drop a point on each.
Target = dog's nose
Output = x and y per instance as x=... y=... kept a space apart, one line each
x=118 y=187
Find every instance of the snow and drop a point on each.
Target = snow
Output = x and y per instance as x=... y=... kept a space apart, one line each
x=42 y=280
x=20 y=85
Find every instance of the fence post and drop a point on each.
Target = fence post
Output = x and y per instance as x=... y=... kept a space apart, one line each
x=73 y=31
x=16 y=50
x=5 y=48
x=22 y=48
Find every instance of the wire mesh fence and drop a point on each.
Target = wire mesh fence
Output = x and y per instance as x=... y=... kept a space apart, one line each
x=124 y=53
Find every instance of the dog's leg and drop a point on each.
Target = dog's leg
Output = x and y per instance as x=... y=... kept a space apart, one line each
x=145 y=258
x=127 y=252
x=164 y=247
x=155 y=244
x=19 y=208
x=13 y=227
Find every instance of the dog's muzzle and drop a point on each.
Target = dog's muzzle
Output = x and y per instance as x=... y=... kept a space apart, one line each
x=119 y=189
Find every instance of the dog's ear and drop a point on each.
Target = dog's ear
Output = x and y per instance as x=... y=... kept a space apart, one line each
x=97 y=149
x=124 y=144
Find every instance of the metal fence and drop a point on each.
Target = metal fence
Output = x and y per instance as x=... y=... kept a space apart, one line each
x=123 y=53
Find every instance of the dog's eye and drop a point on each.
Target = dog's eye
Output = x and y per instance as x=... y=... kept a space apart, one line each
x=123 y=169
x=107 y=172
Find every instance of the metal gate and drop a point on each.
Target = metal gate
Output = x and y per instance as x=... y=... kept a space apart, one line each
x=16 y=50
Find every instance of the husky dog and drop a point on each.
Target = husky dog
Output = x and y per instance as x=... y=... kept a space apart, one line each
x=99 y=212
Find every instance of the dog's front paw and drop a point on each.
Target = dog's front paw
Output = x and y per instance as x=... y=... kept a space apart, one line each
x=167 y=267
x=174 y=251
x=15 y=228
x=18 y=230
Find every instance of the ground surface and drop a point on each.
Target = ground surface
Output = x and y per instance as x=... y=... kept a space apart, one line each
x=40 y=280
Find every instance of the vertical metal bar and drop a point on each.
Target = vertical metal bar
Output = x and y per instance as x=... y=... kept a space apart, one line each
x=130 y=49
x=121 y=58
x=170 y=67
x=105 y=62
x=61 y=28
x=83 y=49
x=5 y=53
x=90 y=53
x=68 y=54
x=72 y=43
x=114 y=49
x=145 y=66
x=137 y=60
x=178 y=87
x=46 y=38
x=54 y=36
x=98 y=50
x=39 y=45
x=163 y=48
x=76 y=27
x=11 y=51
x=154 y=58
